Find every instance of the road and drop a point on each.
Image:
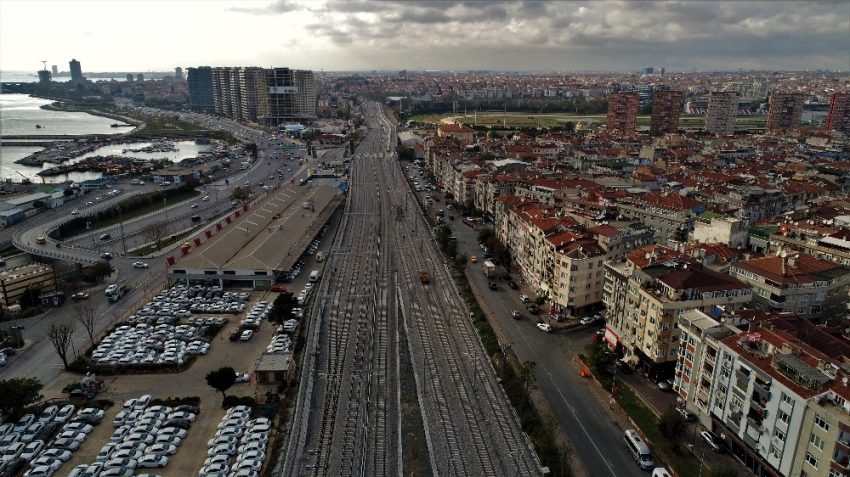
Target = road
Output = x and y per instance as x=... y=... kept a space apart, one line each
x=595 y=438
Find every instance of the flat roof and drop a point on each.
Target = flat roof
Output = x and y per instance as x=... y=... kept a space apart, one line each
x=268 y=236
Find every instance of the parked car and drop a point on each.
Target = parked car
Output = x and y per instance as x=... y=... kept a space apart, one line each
x=712 y=441
x=544 y=327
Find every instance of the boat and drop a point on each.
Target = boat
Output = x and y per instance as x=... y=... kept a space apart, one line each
x=38 y=126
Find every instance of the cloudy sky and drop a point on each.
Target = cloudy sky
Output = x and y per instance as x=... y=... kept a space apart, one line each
x=334 y=35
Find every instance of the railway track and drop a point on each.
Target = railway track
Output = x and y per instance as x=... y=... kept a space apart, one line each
x=348 y=417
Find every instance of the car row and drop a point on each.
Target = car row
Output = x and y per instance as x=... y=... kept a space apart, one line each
x=239 y=445
x=259 y=312
x=142 y=343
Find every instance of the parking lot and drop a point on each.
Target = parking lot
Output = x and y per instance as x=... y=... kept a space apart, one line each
x=192 y=452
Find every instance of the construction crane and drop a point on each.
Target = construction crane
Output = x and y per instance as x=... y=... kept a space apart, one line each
x=26 y=180
x=45 y=64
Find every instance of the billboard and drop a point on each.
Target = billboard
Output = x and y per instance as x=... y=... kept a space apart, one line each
x=283 y=90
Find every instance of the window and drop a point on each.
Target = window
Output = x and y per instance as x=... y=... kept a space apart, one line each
x=774 y=451
x=787 y=399
x=820 y=422
x=804 y=297
x=816 y=309
x=801 y=311
x=816 y=441
x=820 y=296
x=790 y=299
x=810 y=459
x=574 y=268
x=779 y=434
x=783 y=416
x=834 y=473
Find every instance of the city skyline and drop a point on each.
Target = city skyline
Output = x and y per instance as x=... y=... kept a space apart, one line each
x=438 y=35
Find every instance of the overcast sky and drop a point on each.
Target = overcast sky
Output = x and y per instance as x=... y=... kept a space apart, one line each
x=334 y=35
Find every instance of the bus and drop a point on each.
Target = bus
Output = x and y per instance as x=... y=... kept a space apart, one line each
x=41 y=239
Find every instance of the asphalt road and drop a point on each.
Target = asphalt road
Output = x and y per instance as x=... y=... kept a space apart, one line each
x=595 y=438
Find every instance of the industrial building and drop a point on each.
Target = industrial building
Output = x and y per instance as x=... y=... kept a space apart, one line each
x=252 y=246
x=14 y=282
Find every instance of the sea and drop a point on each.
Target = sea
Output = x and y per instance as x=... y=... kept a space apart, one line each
x=19 y=113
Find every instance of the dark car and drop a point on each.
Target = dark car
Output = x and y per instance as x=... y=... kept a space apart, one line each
x=81 y=394
x=47 y=431
x=235 y=335
x=623 y=367
x=492 y=285
x=8 y=351
x=181 y=423
x=506 y=275
x=105 y=237
x=88 y=419
x=13 y=467
x=532 y=308
x=712 y=441
x=187 y=408
x=513 y=285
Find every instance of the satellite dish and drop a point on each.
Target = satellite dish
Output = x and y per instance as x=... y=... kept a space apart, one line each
x=844 y=381
x=782 y=254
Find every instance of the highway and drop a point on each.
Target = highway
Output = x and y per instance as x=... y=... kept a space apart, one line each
x=348 y=417
x=39 y=359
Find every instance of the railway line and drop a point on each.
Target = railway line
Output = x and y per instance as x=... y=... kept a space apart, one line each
x=348 y=418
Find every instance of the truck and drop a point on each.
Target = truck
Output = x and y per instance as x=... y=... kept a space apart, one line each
x=118 y=294
x=314 y=276
x=489 y=269
x=424 y=277
x=135 y=182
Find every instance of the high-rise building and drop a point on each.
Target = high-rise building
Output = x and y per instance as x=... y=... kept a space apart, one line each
x=76 y=71
x=785 y=111
x=291 y=96
x=55 y=69
x=647 y=71
x=661 y=72
x=754 y=91
x=43 y=76
x=722 y=111
x=838 y=118
x=665 y=112
x=140 y=77
x=254 y=95
x=622 y=112
x=201 y=89
x=178 y=73
x=129 y=77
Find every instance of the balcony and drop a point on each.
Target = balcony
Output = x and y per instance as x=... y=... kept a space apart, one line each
x=761 y=391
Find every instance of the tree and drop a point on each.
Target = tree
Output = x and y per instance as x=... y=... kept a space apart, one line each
x=100 y=270
x=86 y=314
x=38 y=204
x=60 y=335
x=600 y=356
x=672 y=424
x=282 y=307
x=19 y=393
x=29 y=298
x=221 y=379
x=406 y=153
x=485 y=234
x=722 y=470
x=68 y=192
x=155 y=232
x=527 y=376
x=240 y=194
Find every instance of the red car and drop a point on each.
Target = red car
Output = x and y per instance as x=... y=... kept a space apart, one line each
x=278 y=288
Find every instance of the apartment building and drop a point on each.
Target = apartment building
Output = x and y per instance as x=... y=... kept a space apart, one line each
x=576 y=263
x=816 y=241
x=785 y=111
x=672 y=215
x=291 y=97
x=645 y=293
x=622 y=112
x=227 y=98
x=794 y=282
x=721 y=113
x=838 y=118
x=780 y=404
x=665 y=112
x=201 y=89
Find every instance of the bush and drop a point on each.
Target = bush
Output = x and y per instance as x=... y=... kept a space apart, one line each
x=230 y=401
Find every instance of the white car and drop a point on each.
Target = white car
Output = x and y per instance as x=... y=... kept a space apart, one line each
x=242 y=377
x=106 y=452
x=162 y=448
x=120 y=463
x=170 y=440
x=79 y=427
x=90 y=411
x=48 y=414
x=51 y=462
x=182 y=415
x=173 y=431
x=153 y=460
x=544 y=327
x=75 y=211
x=31 y=450
x=246 y=335
x=140 y=265
x=223 y=449
x=217 y=459
x=250 y=464
x=64 y=414
x=40 y=471
x=72 y=435
x=214 y=470
x=222 y=440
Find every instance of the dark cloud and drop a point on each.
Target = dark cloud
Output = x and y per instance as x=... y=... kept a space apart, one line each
x=275 y=8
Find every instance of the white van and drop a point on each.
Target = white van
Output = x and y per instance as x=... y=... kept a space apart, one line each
x=314 y=275
x=660 y=472
x=638 y=449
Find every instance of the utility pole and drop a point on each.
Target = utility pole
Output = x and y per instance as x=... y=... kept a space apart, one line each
x=121 y=226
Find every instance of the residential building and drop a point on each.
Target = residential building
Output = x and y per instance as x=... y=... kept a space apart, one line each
x=785 y=112
x=713 y=228
x=838 y=118
x=44 y=76
x=227 y=98
x=665 y=112
x=456 y=131
x=795 y=282
x=291 y=97
x=780 y=404
x=201 y=89
x=622 y=112
x=721 y=113
x=812 y=240
x=76 y=71
x=645 y=293
x=672 y=215
x=178 y=74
